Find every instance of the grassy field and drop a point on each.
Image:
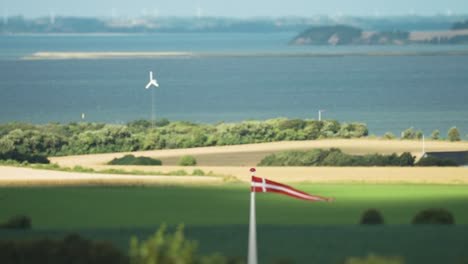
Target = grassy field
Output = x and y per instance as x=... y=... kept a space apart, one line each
x=217 y=217
x=116 y=207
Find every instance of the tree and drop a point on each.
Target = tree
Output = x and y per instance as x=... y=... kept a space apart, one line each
x=454 y=134
x=419 y=134
x=408 y=134
x=389 y=135
x=435 y=134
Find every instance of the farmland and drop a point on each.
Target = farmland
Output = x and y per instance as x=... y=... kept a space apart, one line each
x=217 y=217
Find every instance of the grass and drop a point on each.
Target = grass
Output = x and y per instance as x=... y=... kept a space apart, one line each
x=115 y=207
x=287 y=228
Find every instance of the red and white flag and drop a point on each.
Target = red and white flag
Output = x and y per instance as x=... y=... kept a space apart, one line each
x=265 y=185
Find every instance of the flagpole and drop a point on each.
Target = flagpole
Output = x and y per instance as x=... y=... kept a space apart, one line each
x=252 y=252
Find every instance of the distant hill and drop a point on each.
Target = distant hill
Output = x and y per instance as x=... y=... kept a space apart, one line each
x=348 y=35
x=460 y=25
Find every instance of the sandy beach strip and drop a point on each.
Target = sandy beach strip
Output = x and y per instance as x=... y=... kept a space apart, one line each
x=103 y=55
x=176 y=54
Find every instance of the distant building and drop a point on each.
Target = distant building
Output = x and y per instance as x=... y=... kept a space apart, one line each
x=459 y=157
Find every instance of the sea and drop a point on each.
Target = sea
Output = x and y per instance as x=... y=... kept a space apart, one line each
x=252 y=77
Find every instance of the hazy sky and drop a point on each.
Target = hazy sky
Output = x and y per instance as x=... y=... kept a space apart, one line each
x=234 y=8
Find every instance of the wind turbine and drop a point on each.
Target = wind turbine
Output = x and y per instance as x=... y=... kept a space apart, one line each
x=152 y=82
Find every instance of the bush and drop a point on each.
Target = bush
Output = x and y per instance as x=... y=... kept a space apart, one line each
x=435 y=134
x=163 y=248
x=434 y=216
x=198 y=172
x=187 y=160
x=389 y=135
x=453 y=134
x=17 y=222
x=371 y=217
x=132 y=160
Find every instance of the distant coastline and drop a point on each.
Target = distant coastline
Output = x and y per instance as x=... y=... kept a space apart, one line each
x=342 y=35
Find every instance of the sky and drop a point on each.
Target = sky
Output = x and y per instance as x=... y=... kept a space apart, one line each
x=233 y=8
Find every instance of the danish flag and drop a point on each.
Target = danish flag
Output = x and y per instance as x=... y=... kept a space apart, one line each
x=265 y=185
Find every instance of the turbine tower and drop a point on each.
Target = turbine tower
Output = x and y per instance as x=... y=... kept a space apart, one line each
x=152 y=82
x=320 y=114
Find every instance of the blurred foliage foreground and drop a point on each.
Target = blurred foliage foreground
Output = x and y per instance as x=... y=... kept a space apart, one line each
x=160 y=248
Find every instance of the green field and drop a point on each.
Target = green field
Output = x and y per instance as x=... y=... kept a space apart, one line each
x=288 y=228
x=116 y=207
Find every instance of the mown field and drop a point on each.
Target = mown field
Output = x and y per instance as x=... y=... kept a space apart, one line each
x=115 y=207
x=288 y=228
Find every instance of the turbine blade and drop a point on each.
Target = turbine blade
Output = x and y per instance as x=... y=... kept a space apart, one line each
x=148 y=85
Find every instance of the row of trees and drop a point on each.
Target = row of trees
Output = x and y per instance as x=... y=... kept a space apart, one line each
x=453 y=134
x=335 y=157
x=18 y=140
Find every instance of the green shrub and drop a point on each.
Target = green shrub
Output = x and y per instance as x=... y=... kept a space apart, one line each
x=389 y=135
x=187 y=160
x=429 y=161
x=132 y=160
x=434 y=216
x=435 y=134
x=17 y=222
x=198 y=172
x=82 y=169
x=163 y=248
x=371 y=217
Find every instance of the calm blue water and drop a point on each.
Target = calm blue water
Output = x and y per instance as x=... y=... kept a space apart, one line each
x=389 y=93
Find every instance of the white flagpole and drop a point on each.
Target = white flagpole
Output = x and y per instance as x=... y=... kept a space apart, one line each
x=252 y=253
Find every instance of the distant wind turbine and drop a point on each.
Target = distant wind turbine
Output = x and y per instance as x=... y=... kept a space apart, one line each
x=52 y=17
x=152 y=81
x=199 y=12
